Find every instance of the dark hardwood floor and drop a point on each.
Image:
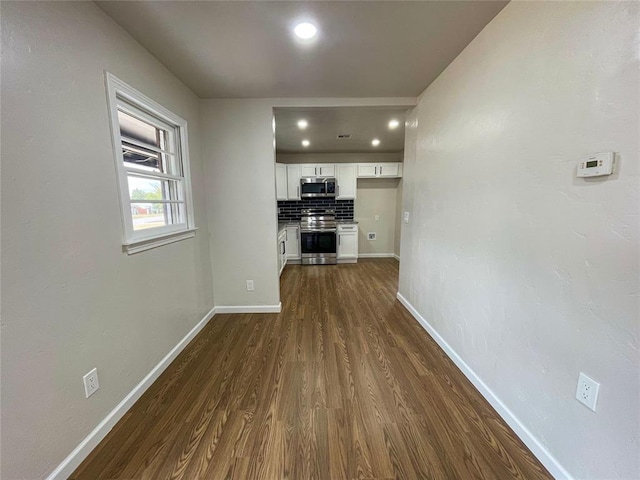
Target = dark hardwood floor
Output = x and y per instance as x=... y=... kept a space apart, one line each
x=343 y=384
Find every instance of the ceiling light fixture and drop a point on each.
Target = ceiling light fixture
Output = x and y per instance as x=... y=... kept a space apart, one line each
x=302 y=124
x=394 y=124
x=305 y=143
x=375 y=142
x=305 y=30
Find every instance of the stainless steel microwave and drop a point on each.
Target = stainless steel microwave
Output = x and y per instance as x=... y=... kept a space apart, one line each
x=317 y=187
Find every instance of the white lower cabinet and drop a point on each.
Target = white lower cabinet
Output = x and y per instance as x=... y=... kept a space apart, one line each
x=348 y=243
x=293 y=243
x=282 y=250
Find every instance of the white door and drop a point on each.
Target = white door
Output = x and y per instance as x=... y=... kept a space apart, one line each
x=293 y=243
x=309 y=171
x=281 y=182
x=367 y=170
x=293 y=182
x=327 y=170
x=347 y=182
x=348 y=245
x=389 y=169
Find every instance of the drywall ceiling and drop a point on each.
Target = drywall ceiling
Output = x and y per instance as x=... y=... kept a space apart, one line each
x=247 y=49
x=325 y=124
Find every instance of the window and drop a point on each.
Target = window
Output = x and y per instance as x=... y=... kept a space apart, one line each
x=152 y=165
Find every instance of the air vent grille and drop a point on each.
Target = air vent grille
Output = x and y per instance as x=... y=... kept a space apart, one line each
x=344 y=136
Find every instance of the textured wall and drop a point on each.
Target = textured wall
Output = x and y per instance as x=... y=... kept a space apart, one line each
x=376 y=196
x=240 y=181
x=71 y=299
x=529 y=273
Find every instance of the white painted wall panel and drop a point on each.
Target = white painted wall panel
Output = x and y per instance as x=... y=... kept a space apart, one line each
x=529 y=273
x=71 y=299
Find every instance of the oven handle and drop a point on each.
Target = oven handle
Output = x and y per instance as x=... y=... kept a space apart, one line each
x=318 y=230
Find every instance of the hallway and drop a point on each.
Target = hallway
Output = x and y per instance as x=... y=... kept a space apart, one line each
x=342 y=384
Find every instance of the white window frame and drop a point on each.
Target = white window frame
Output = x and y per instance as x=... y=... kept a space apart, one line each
x=137 y=241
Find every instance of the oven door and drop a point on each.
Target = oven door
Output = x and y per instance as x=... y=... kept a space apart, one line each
x=318 y=246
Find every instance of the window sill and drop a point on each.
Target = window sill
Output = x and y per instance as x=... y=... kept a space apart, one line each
x=138 y=246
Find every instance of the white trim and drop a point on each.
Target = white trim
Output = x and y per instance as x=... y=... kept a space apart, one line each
x=375 y=255
x=397 y=257
x=116 y=90
x=75 y=458
x=541 y=453
x=147 y=244
x=249 y=308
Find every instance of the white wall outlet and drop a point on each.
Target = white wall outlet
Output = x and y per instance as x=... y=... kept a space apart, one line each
x=91 y=383
x=587 y=391
x=371 y=235
x=406 y=217
x=377 y=217
x=249 y=285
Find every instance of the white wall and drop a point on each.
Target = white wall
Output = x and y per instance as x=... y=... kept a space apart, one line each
x=376 y=196
x=71 y=299
x=240 y=183
x=530 y=274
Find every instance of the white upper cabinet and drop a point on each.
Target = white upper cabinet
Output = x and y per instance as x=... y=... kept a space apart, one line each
x=281 y=182
x=318 y=170
x=347 y=181
x=379 y=170
x=294 y=173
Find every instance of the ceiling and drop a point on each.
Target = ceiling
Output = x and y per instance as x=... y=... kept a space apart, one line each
x=325 y=124
x=243 y=49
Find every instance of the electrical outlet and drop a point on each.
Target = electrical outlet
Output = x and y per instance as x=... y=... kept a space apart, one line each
x=91 y=383
x=377 y=218
x=371 y=235
x=587 y=391
x=406 y=217
x=249 y=285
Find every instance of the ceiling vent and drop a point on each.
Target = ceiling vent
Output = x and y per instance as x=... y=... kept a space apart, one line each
x=344 y=136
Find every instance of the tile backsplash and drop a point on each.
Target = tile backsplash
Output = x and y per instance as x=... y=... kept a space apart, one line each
x=292 y=209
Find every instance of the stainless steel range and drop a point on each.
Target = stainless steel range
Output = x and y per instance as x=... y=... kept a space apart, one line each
x=318 y=237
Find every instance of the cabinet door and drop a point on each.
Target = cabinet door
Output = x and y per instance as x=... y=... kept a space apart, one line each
x=293 y=182
x=309 y=171
x=293 y=243
x=347 y=182
x=389 y=170
x=348 y=245
x=367 y=170
x=281 y=182
x=326 y=170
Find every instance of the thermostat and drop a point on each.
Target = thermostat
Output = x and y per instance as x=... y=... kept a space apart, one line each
x=596 y=165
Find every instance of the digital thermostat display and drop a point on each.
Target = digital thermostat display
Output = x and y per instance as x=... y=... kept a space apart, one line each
x=596 y=165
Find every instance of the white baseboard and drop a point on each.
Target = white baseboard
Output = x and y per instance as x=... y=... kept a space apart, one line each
x=376 y=255
x=75 y=458
x=250 y=308
x=397 y=257
x=541 y=453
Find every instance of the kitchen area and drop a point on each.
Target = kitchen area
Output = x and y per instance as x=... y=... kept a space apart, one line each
x=325 y=158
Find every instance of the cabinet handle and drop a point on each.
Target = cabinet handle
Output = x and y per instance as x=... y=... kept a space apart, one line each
x=297 y=231
x=298 y=190
x=315 y=169
x=375 y=170
x=338 y=192
x=338 y=239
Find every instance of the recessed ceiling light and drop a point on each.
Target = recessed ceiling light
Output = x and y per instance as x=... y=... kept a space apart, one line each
x=305 y=30
x=375 y=142
x=305 y=143
x=394 y=124
x=302 y=124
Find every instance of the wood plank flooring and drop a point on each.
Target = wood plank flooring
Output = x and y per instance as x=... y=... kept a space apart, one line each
x=343 y=384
